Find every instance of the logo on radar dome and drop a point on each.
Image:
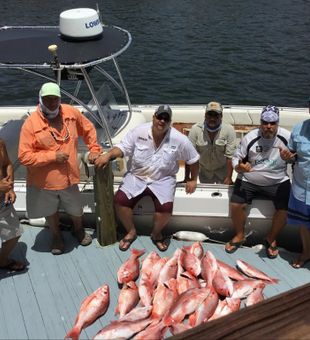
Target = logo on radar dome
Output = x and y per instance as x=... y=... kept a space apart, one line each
x=80 y=24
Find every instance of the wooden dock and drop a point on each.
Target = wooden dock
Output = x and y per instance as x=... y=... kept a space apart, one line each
x=43 y=301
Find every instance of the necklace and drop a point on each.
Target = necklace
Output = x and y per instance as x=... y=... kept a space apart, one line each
x=60 y=138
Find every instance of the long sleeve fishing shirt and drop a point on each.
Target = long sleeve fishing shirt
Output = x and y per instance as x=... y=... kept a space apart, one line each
x=39 y=143
x=300 y=143
x=153 y=167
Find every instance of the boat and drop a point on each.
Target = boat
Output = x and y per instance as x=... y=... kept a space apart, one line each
x=51 y=53
x=43 y=303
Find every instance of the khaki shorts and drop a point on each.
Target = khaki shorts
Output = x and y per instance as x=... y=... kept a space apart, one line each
x=9 y=223
x=43 y=203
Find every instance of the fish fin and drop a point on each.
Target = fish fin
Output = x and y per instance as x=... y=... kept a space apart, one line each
x=192 y=320
x=137 y=252
x=74 y=334
x=168 y=321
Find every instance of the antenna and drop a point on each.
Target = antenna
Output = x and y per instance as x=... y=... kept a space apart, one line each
x=99 y=14
x=53 y=50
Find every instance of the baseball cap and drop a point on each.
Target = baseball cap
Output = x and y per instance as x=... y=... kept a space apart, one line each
x=50 y=89
x=164 y=109
x=270 y=113
x=214 y=107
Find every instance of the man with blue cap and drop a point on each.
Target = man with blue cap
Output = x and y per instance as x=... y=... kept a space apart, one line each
x=48 y=148
x=261 y=172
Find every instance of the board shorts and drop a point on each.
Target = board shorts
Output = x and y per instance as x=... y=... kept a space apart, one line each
x=298 y=212
x=121 y=199
x=245 y=192
x=44 y=203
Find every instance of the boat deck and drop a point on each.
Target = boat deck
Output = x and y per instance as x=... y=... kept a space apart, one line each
x=43 y=301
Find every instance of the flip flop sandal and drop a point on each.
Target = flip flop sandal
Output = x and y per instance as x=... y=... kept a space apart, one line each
x=14 y=266
x=234 y=245
x=126 y=243
x=162 y=244
x=298 y=263
x=272 y=248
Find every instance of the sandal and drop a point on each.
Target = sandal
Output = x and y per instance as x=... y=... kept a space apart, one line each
x=162 y=244
x=234 y=245
x=126 y=243
x=13 y=266
x=83 y=238
x=270 y=248
x=58 y=246
x=299 y=263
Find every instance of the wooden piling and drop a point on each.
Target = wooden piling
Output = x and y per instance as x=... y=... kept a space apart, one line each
x=105 y=217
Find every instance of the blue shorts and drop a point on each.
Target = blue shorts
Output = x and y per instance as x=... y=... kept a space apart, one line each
x=298 y=212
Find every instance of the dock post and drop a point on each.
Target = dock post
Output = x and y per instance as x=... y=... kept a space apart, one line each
x=105 y=218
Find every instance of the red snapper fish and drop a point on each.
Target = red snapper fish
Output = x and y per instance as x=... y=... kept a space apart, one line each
x=121 y=329
x=164 y=297
x=244 y=288
x=208 y=267
x=154 y=331
x=251 y=271
x=186 y=281
x=94 y=306
x=205 y=310
x=138 y=313
x=146 y=290
x=170 y=268
x=129 y=270
x=148 y=264
x=128 y=298
x=185 y=304
x=230 y=271
x=222 y=283
x=190 y=262
x=256 y=296
x=195 y=249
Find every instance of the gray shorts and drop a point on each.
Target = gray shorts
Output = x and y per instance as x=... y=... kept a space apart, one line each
x=44 y=203
x=9 y=223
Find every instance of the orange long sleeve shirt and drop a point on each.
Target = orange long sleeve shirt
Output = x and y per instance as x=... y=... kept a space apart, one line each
x=38 y=146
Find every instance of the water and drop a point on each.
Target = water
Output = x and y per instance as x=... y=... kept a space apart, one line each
x=191 y=51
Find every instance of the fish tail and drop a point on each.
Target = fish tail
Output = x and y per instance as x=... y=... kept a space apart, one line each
x=74 y=334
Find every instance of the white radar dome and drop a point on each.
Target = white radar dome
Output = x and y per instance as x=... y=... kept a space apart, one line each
x=80 y=24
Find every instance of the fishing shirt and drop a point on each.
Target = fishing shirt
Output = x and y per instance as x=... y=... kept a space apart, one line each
x=300 y=143
x=213 y=154
x=39 y=142
x=152 y=167
x=268 y=168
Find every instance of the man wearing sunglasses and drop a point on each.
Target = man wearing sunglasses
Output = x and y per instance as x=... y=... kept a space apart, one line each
x=215 y=142
x=48 y=148
x=261 y=172
x=154 y=150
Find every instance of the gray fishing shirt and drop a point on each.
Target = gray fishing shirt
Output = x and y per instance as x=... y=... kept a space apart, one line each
x=213 y=154
x=268 y=168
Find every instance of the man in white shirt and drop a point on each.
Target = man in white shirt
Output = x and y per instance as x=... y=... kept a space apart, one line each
x=154 y=150
x=261 y=172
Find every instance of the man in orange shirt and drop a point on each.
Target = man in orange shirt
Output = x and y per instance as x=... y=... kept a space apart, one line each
x=48 y=148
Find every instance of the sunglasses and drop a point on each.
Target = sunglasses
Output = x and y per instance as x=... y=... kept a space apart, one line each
x=266 y=123
x=213 y=114
x=163 y=117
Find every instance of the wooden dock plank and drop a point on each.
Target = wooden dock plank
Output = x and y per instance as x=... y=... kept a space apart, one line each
x=46 y=299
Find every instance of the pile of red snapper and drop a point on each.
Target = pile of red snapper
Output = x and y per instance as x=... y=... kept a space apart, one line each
x=175 y=293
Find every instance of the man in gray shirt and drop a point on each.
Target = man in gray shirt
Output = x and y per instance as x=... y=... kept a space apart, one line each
x=215 y=141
